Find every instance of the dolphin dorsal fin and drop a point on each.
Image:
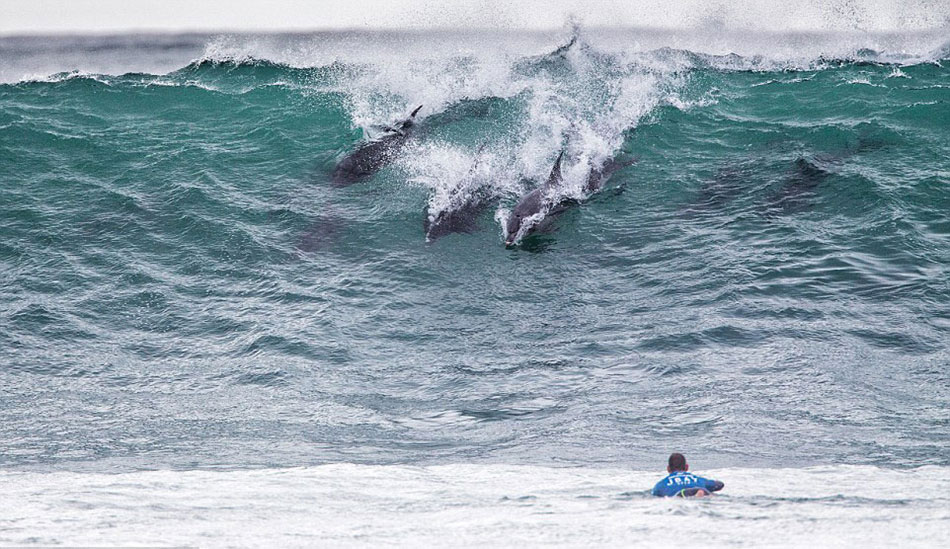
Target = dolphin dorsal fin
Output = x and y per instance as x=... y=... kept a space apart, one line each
x=407 y=123
x=555 y=176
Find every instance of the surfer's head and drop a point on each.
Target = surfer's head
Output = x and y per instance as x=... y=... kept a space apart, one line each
x=677 y=463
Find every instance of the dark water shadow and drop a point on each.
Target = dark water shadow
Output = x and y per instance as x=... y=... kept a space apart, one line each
x=799 y=189
x=715 y=195
x=536 y=243
x=321 y=235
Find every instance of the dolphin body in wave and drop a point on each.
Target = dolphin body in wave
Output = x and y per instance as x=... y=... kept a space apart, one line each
x=369 y=157
x=467 y=200
x=533 y=206
x=460 y=218
x=598 y=177
x=542 y=203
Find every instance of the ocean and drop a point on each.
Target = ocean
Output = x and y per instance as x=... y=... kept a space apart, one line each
x=205 y=340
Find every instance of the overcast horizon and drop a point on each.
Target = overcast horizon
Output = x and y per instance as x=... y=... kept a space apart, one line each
x=32 y=17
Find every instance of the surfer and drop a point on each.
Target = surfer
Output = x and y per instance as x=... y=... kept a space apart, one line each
x=681 y=483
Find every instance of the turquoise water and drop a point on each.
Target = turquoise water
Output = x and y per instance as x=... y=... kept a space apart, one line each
x=183 y=287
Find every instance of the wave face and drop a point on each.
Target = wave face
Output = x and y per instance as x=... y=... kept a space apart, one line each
x=184 y=288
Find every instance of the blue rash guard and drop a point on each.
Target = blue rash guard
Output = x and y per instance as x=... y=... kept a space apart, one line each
x=682 y=483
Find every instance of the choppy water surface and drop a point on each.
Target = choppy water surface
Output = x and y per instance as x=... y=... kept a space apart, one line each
x=183 y=288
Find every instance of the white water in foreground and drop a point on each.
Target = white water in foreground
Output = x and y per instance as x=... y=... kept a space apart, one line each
x=474 y=505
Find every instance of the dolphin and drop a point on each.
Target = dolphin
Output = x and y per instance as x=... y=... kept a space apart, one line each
x=458 y=219
x=551 y=60
x=540 y=203
x=798 y=187
x=467 y=201
x=599 y=176
x=369 y=157
x=533 y=206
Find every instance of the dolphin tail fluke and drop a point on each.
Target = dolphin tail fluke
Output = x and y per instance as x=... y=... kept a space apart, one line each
x=415 y=111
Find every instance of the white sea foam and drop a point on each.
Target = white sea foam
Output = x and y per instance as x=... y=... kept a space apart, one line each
x=864 y=82
x=476 y=505
x=526 y=14
x=64 y=76
x=720 y=47
x=897 y=73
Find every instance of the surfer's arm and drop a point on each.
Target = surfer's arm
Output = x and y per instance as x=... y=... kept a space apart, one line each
x=714 y=485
